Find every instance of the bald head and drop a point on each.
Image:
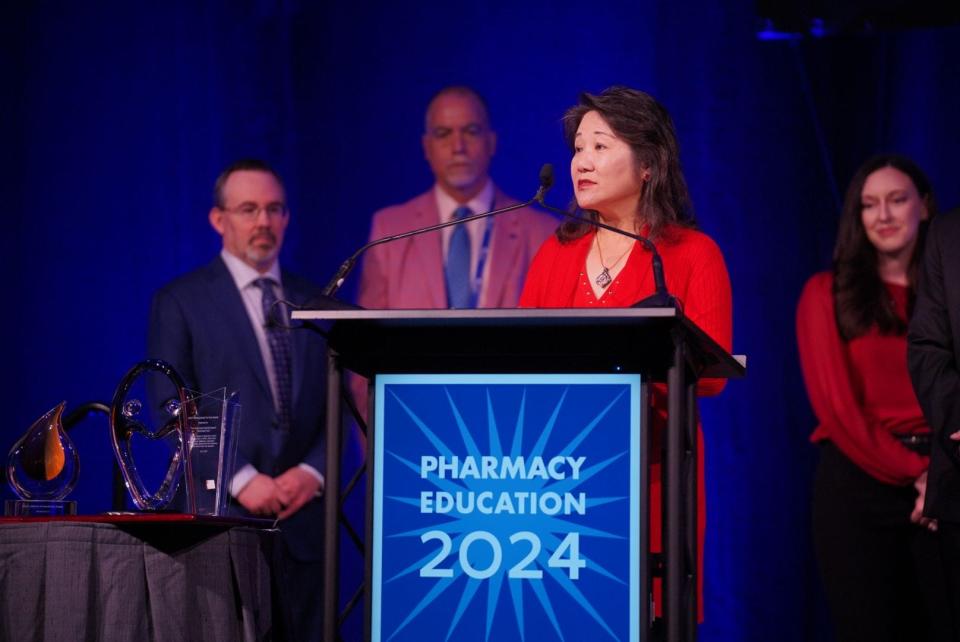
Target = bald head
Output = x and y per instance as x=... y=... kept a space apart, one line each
x=463 y=92
x=458 y=141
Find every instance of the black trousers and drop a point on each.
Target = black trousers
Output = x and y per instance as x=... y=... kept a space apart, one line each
x=301 y=594
x=884 y=576
x=950 y=554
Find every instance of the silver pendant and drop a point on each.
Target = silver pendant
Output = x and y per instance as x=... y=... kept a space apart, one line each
x=603 y=279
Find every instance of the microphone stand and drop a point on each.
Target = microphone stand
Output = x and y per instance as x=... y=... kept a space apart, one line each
x=347 y=266
x=661 y=298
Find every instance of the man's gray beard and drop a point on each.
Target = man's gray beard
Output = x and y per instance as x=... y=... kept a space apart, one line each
x=260 y=257
x=464 y=182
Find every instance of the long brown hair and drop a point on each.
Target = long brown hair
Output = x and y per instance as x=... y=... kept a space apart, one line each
x=859 y=296
x=645 y=125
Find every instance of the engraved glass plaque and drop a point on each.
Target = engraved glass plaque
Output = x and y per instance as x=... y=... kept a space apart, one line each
x=211 y=450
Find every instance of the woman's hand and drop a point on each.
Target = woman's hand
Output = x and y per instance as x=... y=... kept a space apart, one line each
x=921 y=486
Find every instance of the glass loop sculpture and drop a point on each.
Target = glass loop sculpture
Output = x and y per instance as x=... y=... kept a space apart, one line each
x=132 y=416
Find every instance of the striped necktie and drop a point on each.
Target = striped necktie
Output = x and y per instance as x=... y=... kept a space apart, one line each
x=278 y=338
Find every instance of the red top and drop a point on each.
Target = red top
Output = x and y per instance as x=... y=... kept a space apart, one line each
x=860 y=390
x=696 y=275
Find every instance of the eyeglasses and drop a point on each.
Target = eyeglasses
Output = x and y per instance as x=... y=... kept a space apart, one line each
x=251 y=211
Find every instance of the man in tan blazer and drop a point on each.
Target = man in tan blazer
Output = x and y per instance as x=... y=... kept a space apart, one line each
x=412 y=273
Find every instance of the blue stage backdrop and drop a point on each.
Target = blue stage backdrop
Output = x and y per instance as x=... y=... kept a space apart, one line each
x=117 y=118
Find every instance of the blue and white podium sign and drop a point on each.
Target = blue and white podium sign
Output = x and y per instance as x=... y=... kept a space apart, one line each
x=506 y=507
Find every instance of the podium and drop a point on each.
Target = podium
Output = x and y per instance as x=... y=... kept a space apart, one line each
x=657 y=343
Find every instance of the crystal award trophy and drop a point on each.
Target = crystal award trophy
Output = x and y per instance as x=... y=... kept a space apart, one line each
x=162 y=431
x=42 y=469
x=210 y=444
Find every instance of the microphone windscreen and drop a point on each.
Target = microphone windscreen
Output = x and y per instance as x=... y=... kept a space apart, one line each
x=546 y=176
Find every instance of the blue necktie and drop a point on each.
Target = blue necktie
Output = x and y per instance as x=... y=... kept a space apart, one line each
x=278 y=338
x=457 y=271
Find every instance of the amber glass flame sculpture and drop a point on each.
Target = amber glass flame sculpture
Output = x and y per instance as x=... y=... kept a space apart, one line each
x=43 y=467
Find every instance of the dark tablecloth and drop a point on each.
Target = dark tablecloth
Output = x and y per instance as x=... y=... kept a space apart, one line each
x=99 y=581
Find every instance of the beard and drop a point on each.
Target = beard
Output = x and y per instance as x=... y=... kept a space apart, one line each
x=263 y=248
x=462 y=176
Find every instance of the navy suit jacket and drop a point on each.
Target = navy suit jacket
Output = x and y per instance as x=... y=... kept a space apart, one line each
x=199 y=325
x=933 y=356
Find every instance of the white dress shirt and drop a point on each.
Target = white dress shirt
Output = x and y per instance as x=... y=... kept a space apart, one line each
x=244 y=277
x=482 y=202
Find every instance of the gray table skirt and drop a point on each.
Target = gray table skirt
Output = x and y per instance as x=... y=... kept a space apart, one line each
x=75 y=581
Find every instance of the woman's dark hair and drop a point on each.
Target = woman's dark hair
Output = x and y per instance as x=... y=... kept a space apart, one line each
x=859 y=296
x=644 y=124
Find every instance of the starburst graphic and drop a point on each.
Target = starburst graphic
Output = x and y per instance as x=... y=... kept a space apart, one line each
x=506 y=508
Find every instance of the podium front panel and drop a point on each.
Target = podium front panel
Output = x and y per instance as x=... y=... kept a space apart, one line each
x=507 y=507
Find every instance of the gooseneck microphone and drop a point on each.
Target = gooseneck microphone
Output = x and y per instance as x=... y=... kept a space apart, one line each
x=661 y=298
x=546 y=182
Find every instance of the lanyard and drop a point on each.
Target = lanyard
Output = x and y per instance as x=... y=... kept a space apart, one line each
x=477 y=282
x=481 y=263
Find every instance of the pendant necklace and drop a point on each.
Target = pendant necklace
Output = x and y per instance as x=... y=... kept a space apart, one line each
x=604 y=279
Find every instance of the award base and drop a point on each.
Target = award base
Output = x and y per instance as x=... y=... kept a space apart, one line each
x=38 y=508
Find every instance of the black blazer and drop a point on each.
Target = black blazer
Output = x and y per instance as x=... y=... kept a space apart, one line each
x=933 y=355
x=199 y=324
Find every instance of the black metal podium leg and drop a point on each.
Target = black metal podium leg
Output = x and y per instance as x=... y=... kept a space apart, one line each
x=679 y=509
x=691 y=539
x=331 y=504
x=368 y=550
x=646 y=567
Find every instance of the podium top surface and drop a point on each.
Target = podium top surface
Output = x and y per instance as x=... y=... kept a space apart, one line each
x=519 y=340
x=483 y=315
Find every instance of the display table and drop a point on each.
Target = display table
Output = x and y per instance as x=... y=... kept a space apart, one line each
x=137 y=577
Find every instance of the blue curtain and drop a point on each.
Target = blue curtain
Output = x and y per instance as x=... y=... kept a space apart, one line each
x=118 y=118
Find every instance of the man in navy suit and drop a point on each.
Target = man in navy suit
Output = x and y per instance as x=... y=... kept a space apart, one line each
x=214 y=326
x=933 y=356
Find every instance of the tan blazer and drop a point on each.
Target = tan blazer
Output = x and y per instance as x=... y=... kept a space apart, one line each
x=408 y=274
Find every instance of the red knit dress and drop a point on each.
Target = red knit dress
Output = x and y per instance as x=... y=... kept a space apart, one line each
x=860 y=390
x=696 y=275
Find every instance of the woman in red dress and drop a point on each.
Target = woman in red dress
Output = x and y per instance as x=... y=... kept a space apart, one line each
x=874 y=552
x=626 y=173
